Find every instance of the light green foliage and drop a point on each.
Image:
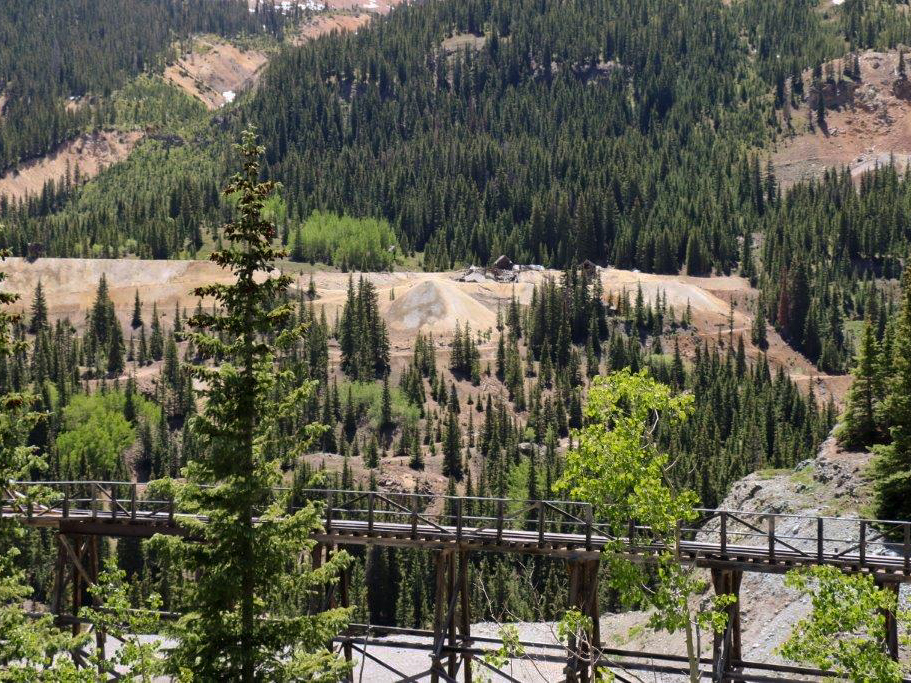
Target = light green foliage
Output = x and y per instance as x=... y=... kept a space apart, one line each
x=30 y=650
x=345 y=242
x=618 y=468
x=367 y=399
x=117 y=618
x=845 y=632
x=150 y=101
x=510 y=648
x=250 y=556
x=95 y=433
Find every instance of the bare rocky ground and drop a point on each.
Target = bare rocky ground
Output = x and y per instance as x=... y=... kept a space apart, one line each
x=868 y=122
x=215 y=71
x=413 y=302
x=90 y=153
x=832 y=485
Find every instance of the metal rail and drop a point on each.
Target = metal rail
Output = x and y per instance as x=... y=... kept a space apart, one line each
x=720 y=539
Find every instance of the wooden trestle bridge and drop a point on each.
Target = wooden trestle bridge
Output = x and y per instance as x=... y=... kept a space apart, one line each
x=727 y=543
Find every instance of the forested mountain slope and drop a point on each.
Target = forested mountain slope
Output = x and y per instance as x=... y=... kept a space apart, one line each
x=601 y=129
x=54 y=54
x=636 y=134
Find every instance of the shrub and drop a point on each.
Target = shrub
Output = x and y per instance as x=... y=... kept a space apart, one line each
x=346 y=242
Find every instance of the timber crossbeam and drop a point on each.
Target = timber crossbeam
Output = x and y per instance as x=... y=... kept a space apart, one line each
x=728 y=543
x=718 y=539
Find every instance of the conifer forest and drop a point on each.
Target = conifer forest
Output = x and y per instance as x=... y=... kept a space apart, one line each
x=253 y=250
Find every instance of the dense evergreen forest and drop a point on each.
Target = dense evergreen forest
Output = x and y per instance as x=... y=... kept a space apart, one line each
x=606 y=130
x=552 y=132
x=58 y=60
x=491 y=443
x=633 y=133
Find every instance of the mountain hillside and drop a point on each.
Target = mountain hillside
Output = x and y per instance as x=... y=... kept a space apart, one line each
x=868 y=122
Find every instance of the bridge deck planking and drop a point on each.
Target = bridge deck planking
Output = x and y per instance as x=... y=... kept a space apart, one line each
x=546 y=528
x=888 y=567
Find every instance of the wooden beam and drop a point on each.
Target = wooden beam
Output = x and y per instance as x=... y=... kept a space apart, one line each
x=891 y=623
x=572 y=660
x=465 y=614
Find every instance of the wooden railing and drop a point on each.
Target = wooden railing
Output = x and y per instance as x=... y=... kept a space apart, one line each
x=773 y=540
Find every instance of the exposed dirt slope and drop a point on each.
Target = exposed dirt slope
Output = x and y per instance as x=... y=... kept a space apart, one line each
x=413 y=302
x=90 y=153
x=832 y=484
x=377 y=6
x=215 y=71
x=323 y=24
x=867 y=121
x=374 y=6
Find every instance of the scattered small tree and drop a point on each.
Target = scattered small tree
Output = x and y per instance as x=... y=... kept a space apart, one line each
x=845 y=633
x=618 y=468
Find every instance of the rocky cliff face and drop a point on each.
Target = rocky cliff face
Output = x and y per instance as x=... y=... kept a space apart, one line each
x=833 y=484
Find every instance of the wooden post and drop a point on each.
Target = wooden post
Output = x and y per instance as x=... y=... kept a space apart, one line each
x=415 y=501
x=906 y=547
x=94 y=562
x=727 y=647
x=330 y=503
x=891 y=623
x=771 y=539
x=133 y=502
x=499 y=520
x=452 y=668
x=572 y=660
x=724 y=533
x=541 y=523
x=438 y=607
x=344 y=598
x=862 y=547
x=458 y=516
x=589 y=520
x=592 y=611
x=59 y=578
x=820 y=537
x=77 y=584
x=371 y=504
x=465 y=614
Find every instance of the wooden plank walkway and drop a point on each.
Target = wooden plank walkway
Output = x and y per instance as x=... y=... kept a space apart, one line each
x=728 y=543
x=720 y=539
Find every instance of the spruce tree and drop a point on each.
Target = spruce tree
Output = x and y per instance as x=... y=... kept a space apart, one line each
x=759 y=332
x=452 y=448
x=115 y=351
x=251 y=553
x=38 y=320
x=386 y=406
x=860 y=426
x=892 y=482
x=416 y=462
x=156 y=340
x=136 y=322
